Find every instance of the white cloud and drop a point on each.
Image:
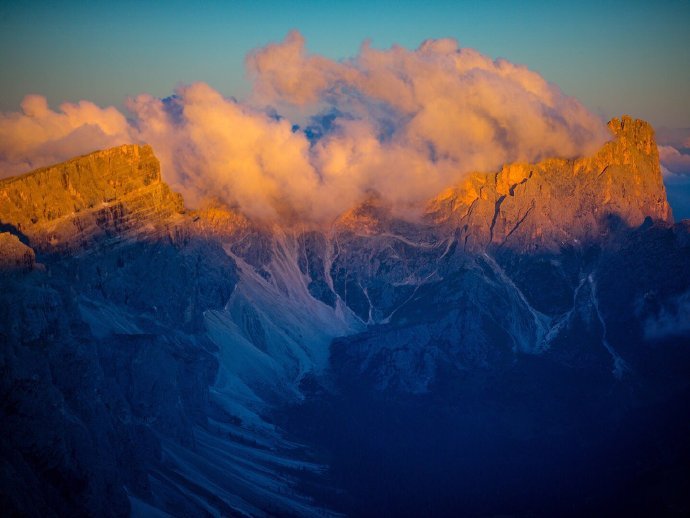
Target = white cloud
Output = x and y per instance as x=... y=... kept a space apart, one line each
x=674 y=161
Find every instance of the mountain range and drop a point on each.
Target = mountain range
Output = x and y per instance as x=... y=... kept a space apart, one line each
x=518 y=345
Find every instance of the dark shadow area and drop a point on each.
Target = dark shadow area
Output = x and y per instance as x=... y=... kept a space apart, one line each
x=491 y=430
x=537 y=439
x=678 y=192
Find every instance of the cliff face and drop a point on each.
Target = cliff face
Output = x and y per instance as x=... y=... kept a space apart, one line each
x=68 y=205
x=556 y=202
x=542 y=206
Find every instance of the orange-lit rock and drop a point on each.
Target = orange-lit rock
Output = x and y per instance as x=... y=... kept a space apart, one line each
x=556 y=202
x=115 y=191
x=560 y=202
x=368 y=218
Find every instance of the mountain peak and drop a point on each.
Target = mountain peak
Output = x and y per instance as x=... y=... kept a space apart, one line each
x=116 y=189
x=636 y=132
x=547 y=205
x=559 y=202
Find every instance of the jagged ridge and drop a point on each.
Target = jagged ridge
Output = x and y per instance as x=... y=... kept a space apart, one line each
x=559 y=202
x=70 y=204
x=523 y=206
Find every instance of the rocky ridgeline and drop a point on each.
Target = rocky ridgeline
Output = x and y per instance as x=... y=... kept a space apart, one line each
x=525 y=207
x=378 y=259
x=557 y=202
x=69 y=205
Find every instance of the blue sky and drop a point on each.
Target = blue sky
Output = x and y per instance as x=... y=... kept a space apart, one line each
x=616 y=57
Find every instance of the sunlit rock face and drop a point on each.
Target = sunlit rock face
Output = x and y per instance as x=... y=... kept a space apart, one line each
x=106 y=193
x=191 y=361
x=555 y=203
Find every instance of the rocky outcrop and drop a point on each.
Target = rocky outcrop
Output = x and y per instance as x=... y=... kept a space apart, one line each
x=557 y=202
x=542 y=206
x=114 y=192
x=15 y=255
x=88 y=391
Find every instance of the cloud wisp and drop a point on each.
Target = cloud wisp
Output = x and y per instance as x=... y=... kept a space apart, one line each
x=402 y=124
x=674 y=161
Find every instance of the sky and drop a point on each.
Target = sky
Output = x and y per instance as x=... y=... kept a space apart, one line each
x=615 y=57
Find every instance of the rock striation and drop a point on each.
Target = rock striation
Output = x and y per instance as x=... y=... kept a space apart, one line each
x=114 y=192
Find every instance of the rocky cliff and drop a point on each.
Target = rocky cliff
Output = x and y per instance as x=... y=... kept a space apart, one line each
x=69 y=205
x=556 y=202
x=543 y=206
x=15 y=255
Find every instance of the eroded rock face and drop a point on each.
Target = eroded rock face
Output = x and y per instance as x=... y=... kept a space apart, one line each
x=89 y=389
x=536 y=219
x=102 y=348
x=106 y=193
x=555 y=203
x=520 y=248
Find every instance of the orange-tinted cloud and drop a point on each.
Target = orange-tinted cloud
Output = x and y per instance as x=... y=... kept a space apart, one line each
x=39 y=136
x=208 y=144
x=401 y=123
x=674 y=161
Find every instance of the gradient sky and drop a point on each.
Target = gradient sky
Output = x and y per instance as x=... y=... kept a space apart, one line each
x=616 y=57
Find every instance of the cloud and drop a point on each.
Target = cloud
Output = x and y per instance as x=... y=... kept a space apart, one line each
x=676 y=137
x=400 y=123
x=674 y=161
x=211 y=144
x=39 y=136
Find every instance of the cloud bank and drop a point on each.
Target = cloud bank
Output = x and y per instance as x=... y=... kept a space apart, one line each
x=674 y=161
x=38 y=136
x=400 y=123
x=674 y=151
